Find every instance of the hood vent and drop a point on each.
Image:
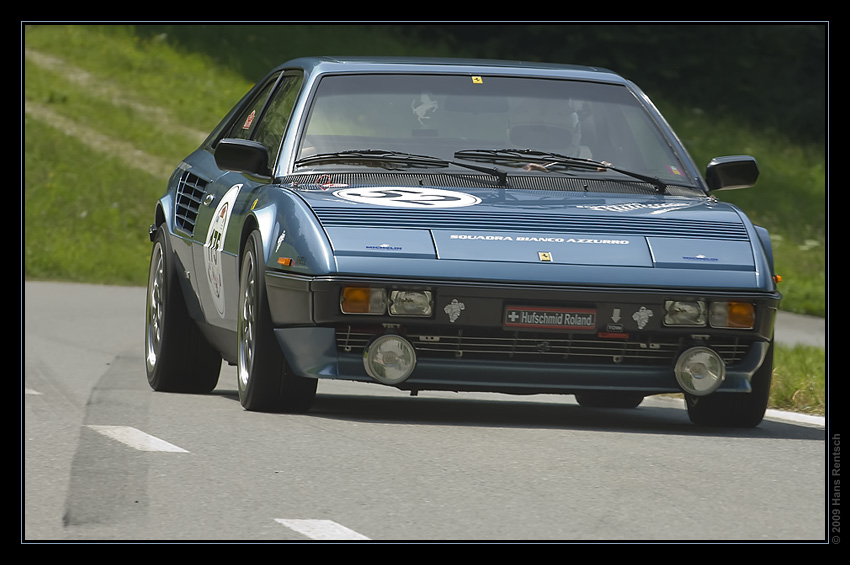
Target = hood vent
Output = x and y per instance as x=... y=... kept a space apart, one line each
x=547 y=222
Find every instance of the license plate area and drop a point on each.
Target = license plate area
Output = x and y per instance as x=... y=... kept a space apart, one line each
x=549 y=318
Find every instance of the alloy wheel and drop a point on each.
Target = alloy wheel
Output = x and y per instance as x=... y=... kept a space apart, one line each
x=247 y=319
x=155 y=307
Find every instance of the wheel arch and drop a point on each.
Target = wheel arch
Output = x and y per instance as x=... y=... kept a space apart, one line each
x=160 y=217
x=264 y=221
x=248 y=227
x=279 y=213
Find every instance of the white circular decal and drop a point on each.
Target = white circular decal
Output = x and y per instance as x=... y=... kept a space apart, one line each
x=408 y=197
x=215 y=243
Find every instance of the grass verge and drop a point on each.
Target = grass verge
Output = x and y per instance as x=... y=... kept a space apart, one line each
x=799 y=379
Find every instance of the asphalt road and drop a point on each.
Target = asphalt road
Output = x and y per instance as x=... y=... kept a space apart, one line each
x=105 y=458
x=794 y=329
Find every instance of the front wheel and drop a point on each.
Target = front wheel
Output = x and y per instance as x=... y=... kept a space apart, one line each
x=742 y=410
x=265 y=381
x=177 y=356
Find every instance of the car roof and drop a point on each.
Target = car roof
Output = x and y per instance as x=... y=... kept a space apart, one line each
x=359 y=64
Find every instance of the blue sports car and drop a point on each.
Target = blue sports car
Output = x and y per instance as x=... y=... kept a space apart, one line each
x=459 y=225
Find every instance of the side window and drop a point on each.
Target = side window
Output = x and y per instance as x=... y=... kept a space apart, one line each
x=272 y=126
x=246 y=122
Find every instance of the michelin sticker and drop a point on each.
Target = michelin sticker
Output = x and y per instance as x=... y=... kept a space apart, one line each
x=453 y=310
x=215 y=243
x=408 y=197
x=642 y=317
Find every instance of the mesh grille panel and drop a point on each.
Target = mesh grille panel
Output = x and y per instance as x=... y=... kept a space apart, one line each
x=533 y=347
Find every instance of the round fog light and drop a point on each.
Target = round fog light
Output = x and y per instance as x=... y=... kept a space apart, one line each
x=700 y=370
x=389 y=359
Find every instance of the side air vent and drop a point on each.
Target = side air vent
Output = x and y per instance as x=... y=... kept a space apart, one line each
x=190 y=191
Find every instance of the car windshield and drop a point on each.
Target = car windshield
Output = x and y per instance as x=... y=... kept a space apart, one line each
x=441 y=115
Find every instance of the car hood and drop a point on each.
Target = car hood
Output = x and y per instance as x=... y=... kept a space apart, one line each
x=516 y=227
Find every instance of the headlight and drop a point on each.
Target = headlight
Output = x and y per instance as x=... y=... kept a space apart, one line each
x=390 y=359
x=700 y=370
x=416 y=303
x=378 y=302
x=363 y=300
x=732 y=315
x=689 y=313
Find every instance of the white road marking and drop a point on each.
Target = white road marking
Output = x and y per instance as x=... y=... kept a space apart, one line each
x=819 y=421
x=137 y=439
x=324 y=530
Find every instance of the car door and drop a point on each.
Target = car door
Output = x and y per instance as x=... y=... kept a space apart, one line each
x=227 y=200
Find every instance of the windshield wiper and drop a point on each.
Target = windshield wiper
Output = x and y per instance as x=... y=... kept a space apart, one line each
x=544 y=160
x=396 y=158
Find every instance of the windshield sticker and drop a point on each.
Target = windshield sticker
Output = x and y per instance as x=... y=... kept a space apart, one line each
x=408 y=197
x=249 y=120
x=422 y=106
x=215 y=243
x=324 y=182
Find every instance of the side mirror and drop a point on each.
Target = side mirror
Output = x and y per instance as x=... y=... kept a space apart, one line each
x=728 y=173
x=243 y=156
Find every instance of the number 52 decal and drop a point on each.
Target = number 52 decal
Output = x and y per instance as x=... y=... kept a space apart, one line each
x=408 y=197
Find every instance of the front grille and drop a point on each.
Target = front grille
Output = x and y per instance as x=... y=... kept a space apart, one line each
x=190 y=191
x=541 y=347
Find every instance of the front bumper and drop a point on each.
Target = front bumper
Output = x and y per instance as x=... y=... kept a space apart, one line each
x=627 y=348
x=313 y=352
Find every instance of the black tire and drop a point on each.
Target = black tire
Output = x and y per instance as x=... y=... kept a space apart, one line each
x=739 y=410
x=265 y=381
x=614 y=399
x=177 y=356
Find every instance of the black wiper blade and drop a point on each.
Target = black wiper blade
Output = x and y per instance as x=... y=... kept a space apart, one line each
x=369 y=154
x=545 y=159
x=396 y=157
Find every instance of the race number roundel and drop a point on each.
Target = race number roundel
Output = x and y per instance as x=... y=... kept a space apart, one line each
x=408 y=197
x=215 y=243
